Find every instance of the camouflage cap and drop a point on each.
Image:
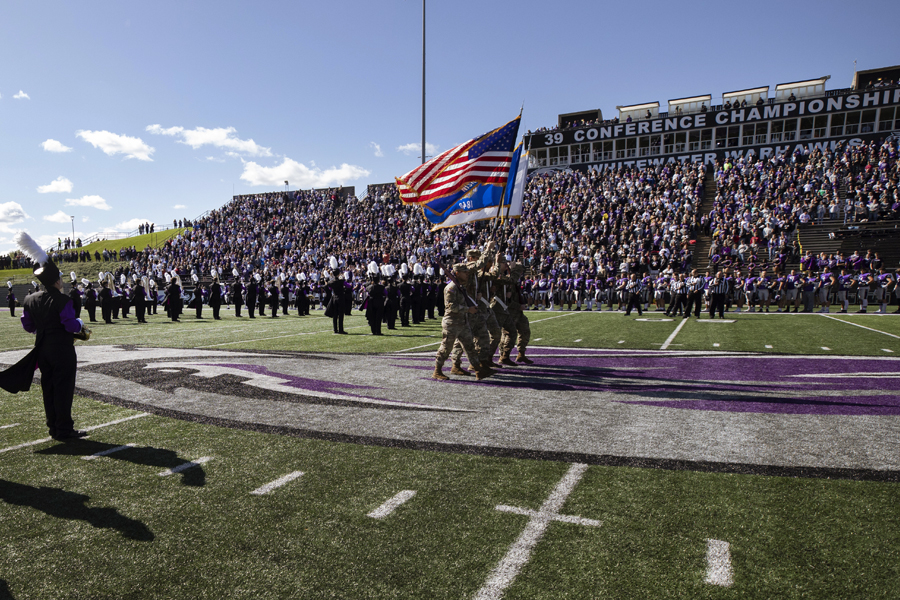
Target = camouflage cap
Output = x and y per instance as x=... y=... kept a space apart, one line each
x=461 y=268
x=473 y=253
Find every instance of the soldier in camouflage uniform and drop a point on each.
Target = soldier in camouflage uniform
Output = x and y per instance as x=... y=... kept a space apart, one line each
x=455 y=327
x=477 y=320
x=502 y=290
x=522 y=334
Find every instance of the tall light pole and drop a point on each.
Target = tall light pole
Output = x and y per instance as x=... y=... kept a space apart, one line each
x=423 y=82
x=73 y=230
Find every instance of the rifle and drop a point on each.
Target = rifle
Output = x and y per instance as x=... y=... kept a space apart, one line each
x=452 y=277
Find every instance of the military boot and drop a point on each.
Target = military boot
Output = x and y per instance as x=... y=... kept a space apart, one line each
x=483 y=372
x=524 y=359
x=458 y=370
x=504 y=360
x=438 y=374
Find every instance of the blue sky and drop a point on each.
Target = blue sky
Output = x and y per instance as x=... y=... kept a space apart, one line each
x=120 y=112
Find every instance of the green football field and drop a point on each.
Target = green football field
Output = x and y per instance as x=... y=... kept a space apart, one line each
x=342 y=520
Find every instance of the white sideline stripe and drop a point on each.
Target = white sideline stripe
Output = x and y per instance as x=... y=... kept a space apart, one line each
x=520 y=552
x=896 y=337
x=47 y=439
x=277 y=337
x=671 y=338
x=556 y=317
x=718 y=563
x=107 y=452
x=392 y=504
x=186 y=466
x=8 y=426
x=277 y=483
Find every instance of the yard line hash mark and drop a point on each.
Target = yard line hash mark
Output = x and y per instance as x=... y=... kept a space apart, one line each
x=277 y=483
x=47 y=439
x=186 y=466
x=8 y=426
x=392 y=504
x=671 y=338
x=107 y=452
x=520 y=552
x=718 y=563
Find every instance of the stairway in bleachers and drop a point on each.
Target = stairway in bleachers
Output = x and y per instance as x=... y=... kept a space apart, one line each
x=701 y=247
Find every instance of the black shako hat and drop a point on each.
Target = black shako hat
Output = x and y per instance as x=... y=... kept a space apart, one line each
x=47 y=272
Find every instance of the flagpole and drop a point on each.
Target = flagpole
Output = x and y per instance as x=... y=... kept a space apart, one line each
x=423 y=82
x=509 y=174
x=522 y=156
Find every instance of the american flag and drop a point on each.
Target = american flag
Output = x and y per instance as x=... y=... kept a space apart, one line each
x=483 y=160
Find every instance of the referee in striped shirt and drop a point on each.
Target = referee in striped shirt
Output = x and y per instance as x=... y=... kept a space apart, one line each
x=718 y=290
x=633 y=292
x=695 y=294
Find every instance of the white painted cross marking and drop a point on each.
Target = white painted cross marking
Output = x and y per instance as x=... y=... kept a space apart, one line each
x=186 y=466
x=8 y=426
x=392 y=504
x=520 y=552
x=107 y=452
x=718 y=563
x=277 y=483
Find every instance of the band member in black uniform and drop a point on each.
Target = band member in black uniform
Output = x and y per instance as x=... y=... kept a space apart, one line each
x=197 y=300
x=440 y=294
x=90 y=300
x=334 y=308
x=273 y=298
x=285 y=295
x=237 y=296
x=174 y=303
x=153 y=297
x=251 y=297
x=75 y=295
x=11 y=299
x=405 y=300
x=139 y=299
x=49 y=314
x=431 y=294
x=261 y=297
x=375 y=302
x=215 y=297
x=302 y=299
x=106 y=301
x=393 y=297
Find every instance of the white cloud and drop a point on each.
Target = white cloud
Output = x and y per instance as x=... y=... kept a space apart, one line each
x=12 y=212
x=59 y=217
x=89 y=201
x=22 y=96
x=113 y=143
x=179 y=207
x=220 y=137
x=300 y=175
x=377 y=148
x=60 y=184
x=128 y=225
x=85 y=219
x=416 y=148
x=52 y=145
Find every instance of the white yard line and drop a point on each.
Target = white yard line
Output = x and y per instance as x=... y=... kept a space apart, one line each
x=520 y=552
x=671 y=338
x=718 y=563
x=392 y=504
x=47 y=439
x=8 y=426
x=417 y=347
x=896 y=337
x=107 y=452
x=556 y=317
x=186 y=466
x=277 y=483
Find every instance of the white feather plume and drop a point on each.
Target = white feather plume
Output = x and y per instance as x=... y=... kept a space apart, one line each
x=30 y=247
x=333 y=262
x=404 y=269
x=417 y=269
x=73 y=276
x=429 y=271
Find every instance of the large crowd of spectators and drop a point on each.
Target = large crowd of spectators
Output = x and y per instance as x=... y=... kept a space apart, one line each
x=761 y=203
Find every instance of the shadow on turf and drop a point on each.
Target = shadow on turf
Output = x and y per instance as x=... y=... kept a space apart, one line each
x=5 y=594
x=61 y=504
x=139 y=455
